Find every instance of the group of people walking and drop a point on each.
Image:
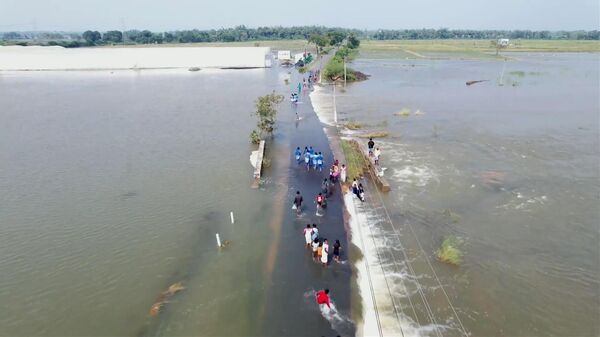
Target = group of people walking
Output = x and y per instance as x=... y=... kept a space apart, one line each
x=308 y=81
x=310 y=157
x=320 y=247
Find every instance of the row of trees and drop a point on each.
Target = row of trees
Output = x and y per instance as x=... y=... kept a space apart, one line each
x=321 y=36
x=239 y=33
x=444 y=33
x=335 y=39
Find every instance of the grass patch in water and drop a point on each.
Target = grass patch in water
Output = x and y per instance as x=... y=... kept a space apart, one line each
x=452 y=217
x=352 y=125
x=355 y=161
x=449 y=251
x=375 y=134
x=403 y=113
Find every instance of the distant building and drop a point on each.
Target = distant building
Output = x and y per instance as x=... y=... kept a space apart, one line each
x=284 y=55
x=503 y=42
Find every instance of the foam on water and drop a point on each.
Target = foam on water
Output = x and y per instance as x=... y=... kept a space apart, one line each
x=382 y=283
x=412 y=174
x=322 y=103
x=339 y=322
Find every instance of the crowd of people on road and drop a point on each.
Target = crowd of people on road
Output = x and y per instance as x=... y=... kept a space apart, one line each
x=319 y=246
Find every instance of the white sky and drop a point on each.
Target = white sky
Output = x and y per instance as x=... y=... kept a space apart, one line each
x=79 y=15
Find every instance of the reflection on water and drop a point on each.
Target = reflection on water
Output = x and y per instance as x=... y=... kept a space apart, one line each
x=514 y=160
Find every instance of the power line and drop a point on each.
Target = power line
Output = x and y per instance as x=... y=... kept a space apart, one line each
x=463 y=330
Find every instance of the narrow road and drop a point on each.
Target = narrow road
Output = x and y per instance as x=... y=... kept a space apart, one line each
x=295 y=274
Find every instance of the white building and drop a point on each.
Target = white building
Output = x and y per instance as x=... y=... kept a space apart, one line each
x=284 y=55
x=503 y=42
x=59 y=58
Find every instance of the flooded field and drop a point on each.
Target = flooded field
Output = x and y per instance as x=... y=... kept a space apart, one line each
x=113 y=186
x=508 y=167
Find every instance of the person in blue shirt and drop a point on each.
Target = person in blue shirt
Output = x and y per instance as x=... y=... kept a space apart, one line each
x=314 y=157
x=307 y=160
x=298 y=154
x=320 y=161
x=310 y=150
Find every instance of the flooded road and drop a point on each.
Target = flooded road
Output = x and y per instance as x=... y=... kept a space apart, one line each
x=509 y=167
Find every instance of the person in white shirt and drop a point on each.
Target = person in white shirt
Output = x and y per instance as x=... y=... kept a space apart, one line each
x=308 y=235
x=343 y=173
x=325 y=253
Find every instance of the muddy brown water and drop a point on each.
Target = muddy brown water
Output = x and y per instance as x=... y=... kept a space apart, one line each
x=113 y=186
x=515 y=160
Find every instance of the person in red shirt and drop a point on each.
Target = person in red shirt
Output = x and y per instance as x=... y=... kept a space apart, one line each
x=323 y=297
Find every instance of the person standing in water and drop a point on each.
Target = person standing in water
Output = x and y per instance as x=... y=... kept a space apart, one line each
x=337 y=248
x=308 y=235
x=298 y=154
x=320 y=199
x=319 y=251
x=377 y=155
x=298 y=202
x=314 y=235
x=307 y=160
x=315 y=249
x=325 y=187
x=323 y=298
x=320 y=161
x=371 y=145
x=325 y=253
x=315 y=160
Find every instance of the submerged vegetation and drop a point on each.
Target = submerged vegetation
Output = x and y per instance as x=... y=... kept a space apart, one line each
x=266 y=112
x=375 y=134
x=451 y=216
x=449 y=251
x=354 y=125
x=354 y=159
x=404 y=113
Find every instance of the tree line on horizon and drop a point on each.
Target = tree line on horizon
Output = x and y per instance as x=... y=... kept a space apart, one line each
x=243 y=33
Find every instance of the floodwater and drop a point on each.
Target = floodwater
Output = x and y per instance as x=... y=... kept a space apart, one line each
x=509 y=167
x=112 y=188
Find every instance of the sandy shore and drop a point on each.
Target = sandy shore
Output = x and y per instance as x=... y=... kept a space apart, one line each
x=18 y=58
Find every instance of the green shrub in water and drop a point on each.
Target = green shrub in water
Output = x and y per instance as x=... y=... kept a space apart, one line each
x=449 y=251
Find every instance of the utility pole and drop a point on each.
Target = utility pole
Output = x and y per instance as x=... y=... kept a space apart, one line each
x=344 y=71
x=334 y=106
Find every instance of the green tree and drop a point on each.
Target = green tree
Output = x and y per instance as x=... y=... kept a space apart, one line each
x=266 y=112
x=91 y=37
x=112 y=36
x=336 y=38
x=353 y=41
x=319 y=40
